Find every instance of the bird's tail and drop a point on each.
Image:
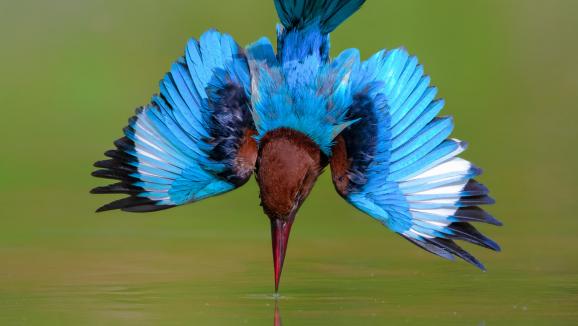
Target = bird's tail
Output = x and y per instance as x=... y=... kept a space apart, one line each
x=303 y=13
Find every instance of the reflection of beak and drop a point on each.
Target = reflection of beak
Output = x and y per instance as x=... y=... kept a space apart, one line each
x=280 y=230
x=277 y=317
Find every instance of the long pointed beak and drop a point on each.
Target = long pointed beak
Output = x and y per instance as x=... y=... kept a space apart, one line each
x=280 y=230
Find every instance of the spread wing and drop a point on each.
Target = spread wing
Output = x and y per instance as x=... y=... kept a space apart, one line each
x=194 y=140
x=398 y=165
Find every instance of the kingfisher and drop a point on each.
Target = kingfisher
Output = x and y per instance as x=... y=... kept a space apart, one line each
x=224 y=113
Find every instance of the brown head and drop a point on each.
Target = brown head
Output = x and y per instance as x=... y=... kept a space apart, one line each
x=288 y=164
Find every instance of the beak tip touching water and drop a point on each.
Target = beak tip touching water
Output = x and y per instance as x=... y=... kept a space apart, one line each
x=280 y=230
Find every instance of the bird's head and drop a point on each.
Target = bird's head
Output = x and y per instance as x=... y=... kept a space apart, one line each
x=288 y=164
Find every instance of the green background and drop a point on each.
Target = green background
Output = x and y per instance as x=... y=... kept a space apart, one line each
x=71 y=73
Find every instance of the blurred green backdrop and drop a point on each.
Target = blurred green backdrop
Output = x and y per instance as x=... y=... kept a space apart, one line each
x=73 y=71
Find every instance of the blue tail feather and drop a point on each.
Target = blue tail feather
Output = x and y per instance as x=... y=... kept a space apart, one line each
x=327 y=13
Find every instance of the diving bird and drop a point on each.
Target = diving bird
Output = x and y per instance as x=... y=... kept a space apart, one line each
x=225 y=112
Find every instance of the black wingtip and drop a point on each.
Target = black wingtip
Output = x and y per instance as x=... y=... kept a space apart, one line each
x=474 y=188
x=494 y=245
x=431 y=248
x=476 y=200
x=133 y=204
x=96 y=190
x=105 y=174
x=117 y=188
x=116 y=174
x=446 y=248
x=476 y=170
x=104 y=208
x=480 y=266
x=453 y=248
x=126 y=203
x=146 y=208
x=467 y=232
x=475 y=262
x=494 y=221
x=475 y=214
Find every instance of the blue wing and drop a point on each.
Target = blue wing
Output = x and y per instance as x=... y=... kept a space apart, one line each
x=398 y=165
x=194 y=140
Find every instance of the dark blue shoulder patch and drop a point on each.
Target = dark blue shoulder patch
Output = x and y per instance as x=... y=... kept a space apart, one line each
x=360 y=139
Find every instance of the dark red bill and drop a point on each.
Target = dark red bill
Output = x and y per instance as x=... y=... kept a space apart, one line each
x=280 y=230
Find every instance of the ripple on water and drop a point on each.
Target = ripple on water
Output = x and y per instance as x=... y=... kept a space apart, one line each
x=266 y=296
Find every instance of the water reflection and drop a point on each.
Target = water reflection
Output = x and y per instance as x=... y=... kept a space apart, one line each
x=277 y=315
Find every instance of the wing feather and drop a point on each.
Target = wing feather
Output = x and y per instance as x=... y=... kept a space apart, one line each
x=193 y=140
x=398 y=165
